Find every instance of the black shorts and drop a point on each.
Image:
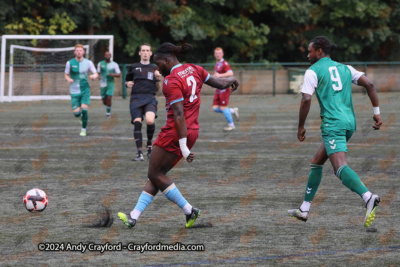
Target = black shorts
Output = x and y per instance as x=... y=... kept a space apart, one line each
x=142 y=103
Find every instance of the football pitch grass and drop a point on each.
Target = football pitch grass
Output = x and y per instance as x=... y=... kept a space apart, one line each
x=244 y=182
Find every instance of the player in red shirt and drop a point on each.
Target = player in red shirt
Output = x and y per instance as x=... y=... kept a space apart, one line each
x=221 y=97
x=181 y=87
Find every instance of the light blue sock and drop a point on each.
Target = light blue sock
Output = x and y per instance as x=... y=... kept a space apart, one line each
x=228 y=115
x=218 y=110
x=144 y=200
x=173 y=194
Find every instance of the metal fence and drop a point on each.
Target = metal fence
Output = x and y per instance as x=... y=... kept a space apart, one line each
x=271 y=78
x=286 y=78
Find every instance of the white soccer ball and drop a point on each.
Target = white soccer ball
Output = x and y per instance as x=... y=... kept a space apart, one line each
x=35 y=200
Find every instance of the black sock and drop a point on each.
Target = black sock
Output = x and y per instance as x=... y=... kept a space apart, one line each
x=150 y=132
x=137 y=134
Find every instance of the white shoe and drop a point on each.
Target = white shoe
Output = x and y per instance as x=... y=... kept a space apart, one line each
x=371 y=205
x=139 y=157
x=229 y=128
x=236 y=113
x=298 y=214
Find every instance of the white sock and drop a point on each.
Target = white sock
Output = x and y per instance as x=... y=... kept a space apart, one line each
x=231 y=124
x=366 y=196
x=84 y=130
x=232 y=110
x=305 y=207
x=135 y=214
x=187 y=209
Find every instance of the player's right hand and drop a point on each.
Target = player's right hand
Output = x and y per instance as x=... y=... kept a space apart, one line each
x=378 y=122
x=234 y=86
x=190 y=158
x=301 y=134
x=70 y=80
x=129 y=84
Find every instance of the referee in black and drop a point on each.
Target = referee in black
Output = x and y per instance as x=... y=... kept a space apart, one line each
x=142 y=77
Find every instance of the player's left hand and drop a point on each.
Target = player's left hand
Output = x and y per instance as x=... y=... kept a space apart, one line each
x=301 y=134
x=216 y=74
x=93 y=77
x=157 y=74
x=234 y=86
x=190 y=158
x=129 y=84
x=378 y=122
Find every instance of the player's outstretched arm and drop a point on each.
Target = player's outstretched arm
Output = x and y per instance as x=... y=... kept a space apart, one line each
x=222 y=83
x=373 y=96
x=305 y=105
x=181 y=129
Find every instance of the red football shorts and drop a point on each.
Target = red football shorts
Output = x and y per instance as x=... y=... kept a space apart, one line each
x=169 y=141
x=221 y=97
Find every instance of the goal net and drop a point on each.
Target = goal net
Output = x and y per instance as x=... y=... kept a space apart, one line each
x=32 y=67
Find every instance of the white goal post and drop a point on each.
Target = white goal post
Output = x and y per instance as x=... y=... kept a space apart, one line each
x=49 y=43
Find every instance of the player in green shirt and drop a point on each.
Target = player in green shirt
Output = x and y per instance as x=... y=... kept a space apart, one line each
x=331 y=81
x=108 y=70
x=76 y=73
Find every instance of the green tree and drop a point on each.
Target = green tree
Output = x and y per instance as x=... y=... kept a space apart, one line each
x=359 y=28
x=227 y=24
x=247 y=30
x=37 y=17
x=364 y=30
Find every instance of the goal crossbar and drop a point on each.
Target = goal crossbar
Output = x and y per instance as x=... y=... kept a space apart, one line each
x=12 y=47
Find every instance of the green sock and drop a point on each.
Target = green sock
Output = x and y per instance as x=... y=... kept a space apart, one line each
x=108 y=109
x=351 y=180
x=314 y=179
x=77 y=114
x=84 y=118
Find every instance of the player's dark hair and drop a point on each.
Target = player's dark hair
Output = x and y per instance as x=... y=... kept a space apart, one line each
x=168 y=49
x=323 y=43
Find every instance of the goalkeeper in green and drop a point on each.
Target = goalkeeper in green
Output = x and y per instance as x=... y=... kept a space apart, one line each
x=76 y=74
x=108 y=70
x=331 y=81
